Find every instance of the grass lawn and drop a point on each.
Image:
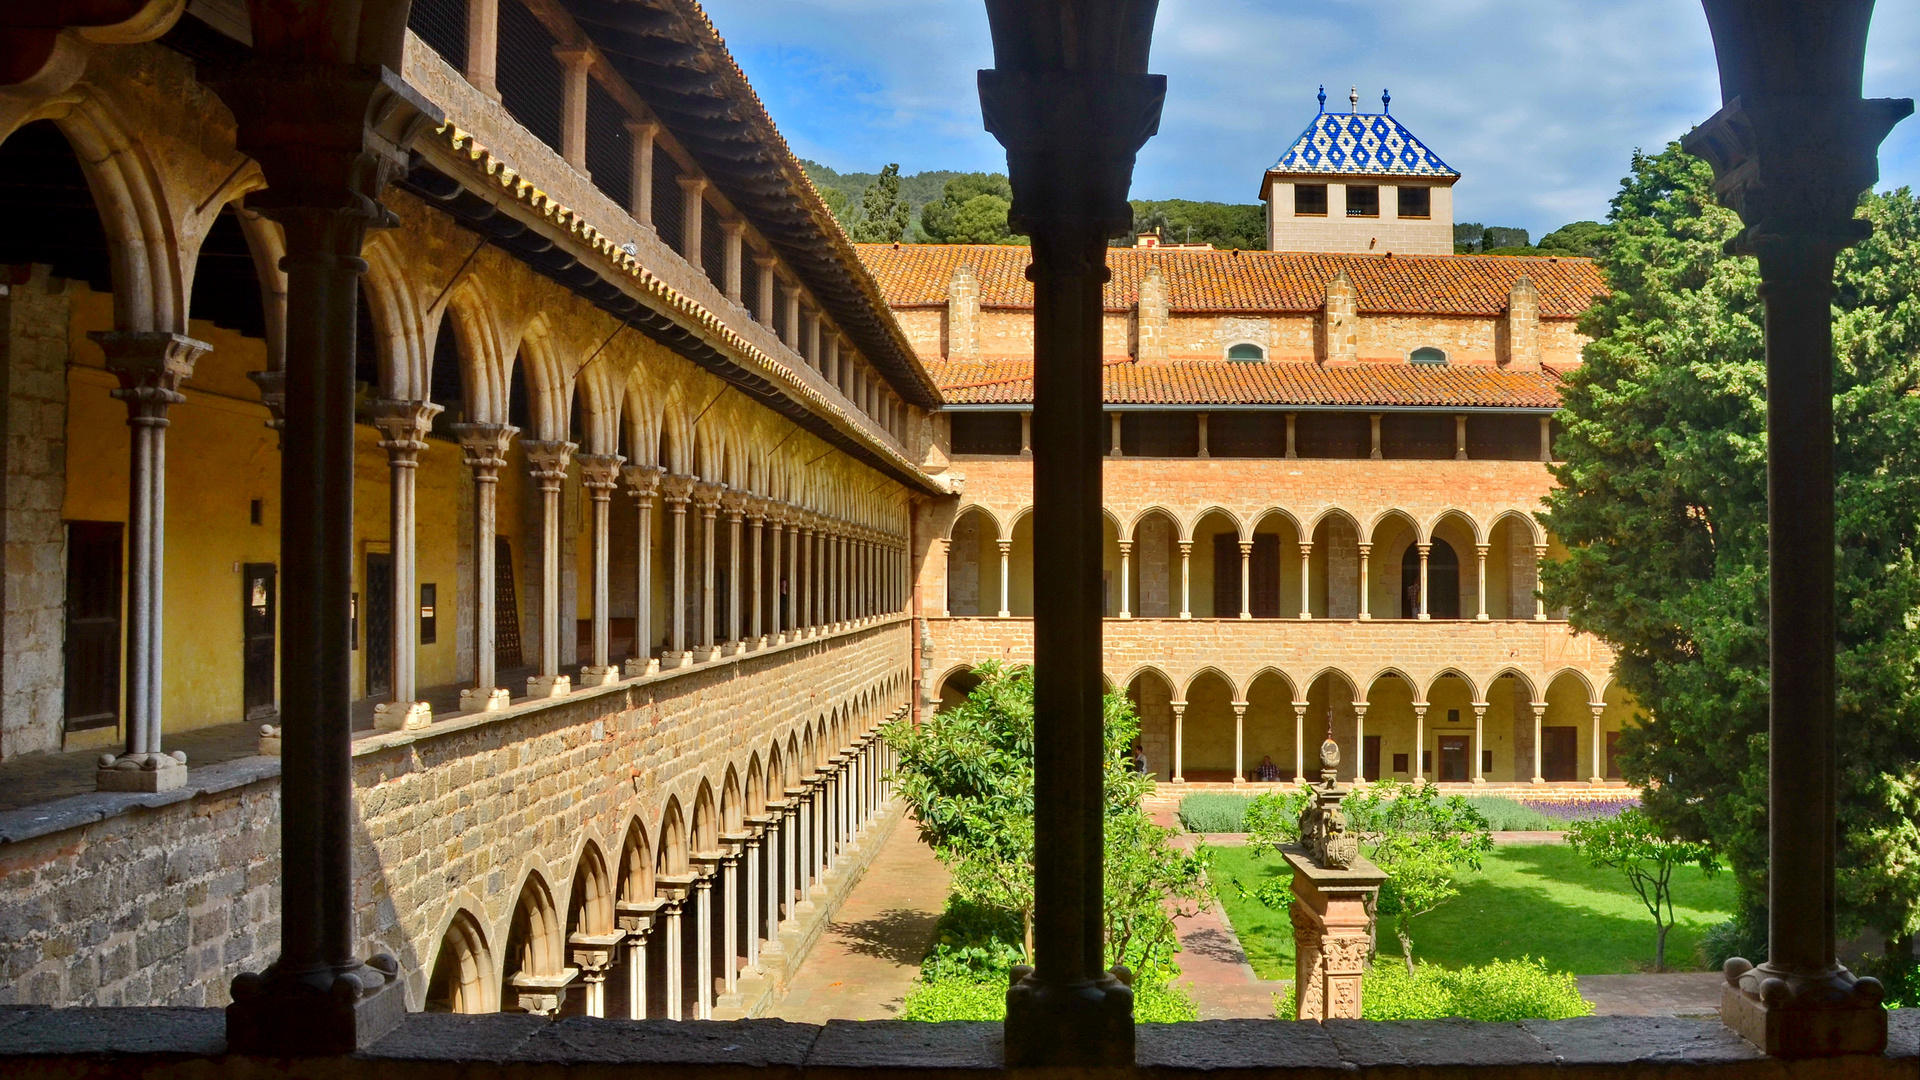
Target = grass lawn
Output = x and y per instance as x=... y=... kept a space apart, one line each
x=1530 y=900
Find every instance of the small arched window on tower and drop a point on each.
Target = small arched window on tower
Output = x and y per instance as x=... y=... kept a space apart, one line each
x=1246 y=351
x=1427 y=354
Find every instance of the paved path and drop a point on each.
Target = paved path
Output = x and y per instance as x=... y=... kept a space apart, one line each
x=863 y=964
x=1215 y=971
x=1673 y=993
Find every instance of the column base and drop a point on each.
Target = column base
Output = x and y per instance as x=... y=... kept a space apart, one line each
x=671 y=660
x=549 y=686
x=1538 y=781
x=1597 y=781
x=638 y=668
x=706 y=654
x=485 y=699
x=338 y=1013
x=599 y=676
x=1075 y=1024
x=402 y=715
x=269 y=741
x=1365 y=617
x=1480 y=780
x=141 y=772
x=1796 y=1017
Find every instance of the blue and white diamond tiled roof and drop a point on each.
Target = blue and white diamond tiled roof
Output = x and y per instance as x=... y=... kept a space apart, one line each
x=1361 y=144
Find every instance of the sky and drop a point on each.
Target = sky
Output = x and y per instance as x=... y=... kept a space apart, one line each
x=1539 y=104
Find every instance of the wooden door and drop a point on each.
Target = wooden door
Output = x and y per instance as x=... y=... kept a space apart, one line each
x=93 y=624
x=1226 y=576
x=378 y=594
x=1453 y=757
x=1266 y=576
x=1559 y=752
x=259 y=614
x=1371 y=758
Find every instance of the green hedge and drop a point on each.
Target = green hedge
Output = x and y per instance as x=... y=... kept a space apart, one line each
x=966 y=999
x=1214 y=812
x=1502 y=990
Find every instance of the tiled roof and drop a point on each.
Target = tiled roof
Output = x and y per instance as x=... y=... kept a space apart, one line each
x=1227 y=382
x=1361 y=144
x=916 y=275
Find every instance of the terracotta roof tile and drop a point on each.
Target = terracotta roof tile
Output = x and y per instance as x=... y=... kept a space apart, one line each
x=916 y=275
x=1227 y=382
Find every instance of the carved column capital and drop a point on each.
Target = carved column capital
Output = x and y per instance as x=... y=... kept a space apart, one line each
x=483 y=448
x=676 y=489
x=547 y=460
x=600 y=474
x=151 y=366
x=643 y=481
x=403 y=428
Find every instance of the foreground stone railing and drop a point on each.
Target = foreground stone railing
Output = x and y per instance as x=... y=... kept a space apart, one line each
x=81 y=1043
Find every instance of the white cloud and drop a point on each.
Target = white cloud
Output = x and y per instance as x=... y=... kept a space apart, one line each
x=1537 y=102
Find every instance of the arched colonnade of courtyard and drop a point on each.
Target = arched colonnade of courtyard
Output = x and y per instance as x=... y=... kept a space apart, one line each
x=1390 y=563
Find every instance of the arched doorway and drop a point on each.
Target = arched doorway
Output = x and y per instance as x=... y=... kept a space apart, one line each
x=1443 y=582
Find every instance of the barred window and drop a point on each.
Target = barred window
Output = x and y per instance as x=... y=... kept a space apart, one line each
x=531 y=84
x=442 y=26
x=609 y=146
x=995 y=433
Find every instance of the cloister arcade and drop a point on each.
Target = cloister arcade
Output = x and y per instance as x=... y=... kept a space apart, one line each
x=668 y=920
x=1218 y=563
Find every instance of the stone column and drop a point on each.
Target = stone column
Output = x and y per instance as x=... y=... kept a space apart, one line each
x=547 y=463
x=753 y=894
x=1239 y=742
x=782 y=602
x=640 y=197
x=1365 y=550
x=1424 y=611
x=1179 y=740
x=403 y=435
x=736 y=505
x=1460 y=438
x=735 y=847
x=637 y=918
x=1539 y=598
x=677 y=889
x=1419 y=742
x=151 y=366
x=574 y=63
x=1599 y=777
x=763 y=298
x=678 y=491
x=1300 y=742
x=1546 y=438
x=756 y=524
x=731 y=233
x=1006 y=562
x=1026 y=434
x=593 y=955
x=809 y=592
x=600 y=474
x=326 y=142
x=483 y=46
x=1360 y=743
x=1292 y=422
x=1479 y=737
x=693 y=202
x=794 y=621
x=1306 y=580
x=1186 y=579
x=707 y=497
x=1114 y=449
x=1480 y=558
x=1332 y=934
x=643 y=483
x=484 y=449
x=790 y=867
x=1126 y=586
x=1535 y=710
x=709 y=866
x=1374 y=425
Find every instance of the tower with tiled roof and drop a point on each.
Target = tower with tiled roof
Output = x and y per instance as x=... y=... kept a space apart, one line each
x=1357 y=181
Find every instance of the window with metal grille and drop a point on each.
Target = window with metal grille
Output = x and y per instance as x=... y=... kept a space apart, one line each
x=609 y=147
x=1416 y=202
x=529 y=77
x=1332 y=435
x=1160 y=434
x=749 y=281
x=1503 y=438
x=712 y=255
x=1363 y=200
x=1416 y=435
x=779 y=309
x=986 y=433
x=1309 y=200
x=442 y=25
x=1246 y=434
x=667 y=199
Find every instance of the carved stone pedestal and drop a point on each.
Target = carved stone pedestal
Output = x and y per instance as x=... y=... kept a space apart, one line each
x=638 y=668
x=1794 y=1017
x=599 y=676
x=1332 y=931
x=322 y=1014
x=549 y=686
x=479 y=699
x=402 y=715
x=142 y=772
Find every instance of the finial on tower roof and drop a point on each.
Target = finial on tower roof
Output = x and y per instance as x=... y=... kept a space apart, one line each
x=1353 y=96
x=1386 y=101
x=1323 y=97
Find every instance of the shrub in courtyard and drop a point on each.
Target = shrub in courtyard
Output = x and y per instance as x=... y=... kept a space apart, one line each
x=1510 y=815
x=1502 y=990
x=1634 y=845
x=1214 y=812
x=967 y=775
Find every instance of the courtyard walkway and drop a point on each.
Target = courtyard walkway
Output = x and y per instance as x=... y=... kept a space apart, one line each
x=868 y=956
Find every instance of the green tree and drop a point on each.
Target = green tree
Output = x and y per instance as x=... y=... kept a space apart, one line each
x=1587 y=239
x=967 y=775
x=1420 y=840
x=1661 y=504
x=837 y=202
x=1182 y=221
x=883 y=214
x=1632 y=844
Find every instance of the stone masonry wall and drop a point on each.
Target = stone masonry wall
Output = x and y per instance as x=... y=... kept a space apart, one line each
x=33 y=345
x=164 y=901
